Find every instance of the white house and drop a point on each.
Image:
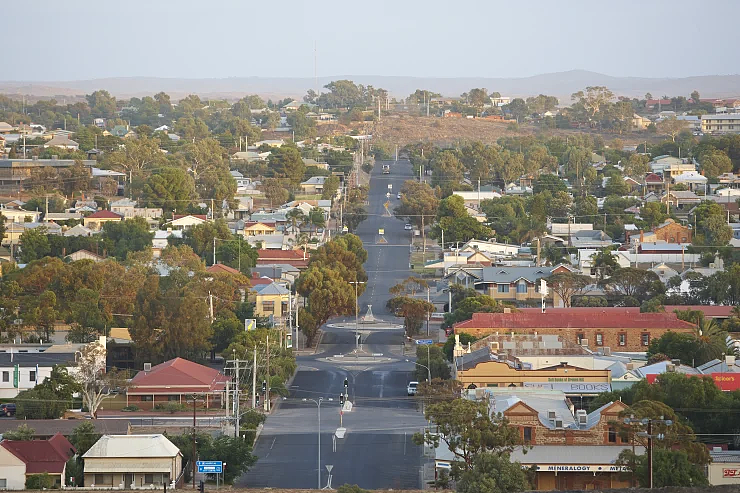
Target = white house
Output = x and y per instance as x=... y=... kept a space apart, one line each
x=186 y=221
x=161 y=240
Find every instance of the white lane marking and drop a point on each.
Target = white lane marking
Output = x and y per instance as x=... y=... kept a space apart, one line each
x=273 y=443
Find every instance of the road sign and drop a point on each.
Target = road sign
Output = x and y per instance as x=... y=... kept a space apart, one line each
x=424 y=342
x=390 y=187
x=381 y=231
x=210 y=466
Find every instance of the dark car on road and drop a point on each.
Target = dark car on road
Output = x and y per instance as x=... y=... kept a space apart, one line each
x=7 y=409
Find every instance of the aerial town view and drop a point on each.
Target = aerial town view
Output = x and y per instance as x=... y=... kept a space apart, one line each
x=475 y=247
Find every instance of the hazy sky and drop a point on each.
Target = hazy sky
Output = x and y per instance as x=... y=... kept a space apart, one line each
x=80 y=39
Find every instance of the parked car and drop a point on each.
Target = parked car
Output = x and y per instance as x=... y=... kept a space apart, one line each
x=411 y=388
x=7 y=409
x=398 y=196
x=408 y=227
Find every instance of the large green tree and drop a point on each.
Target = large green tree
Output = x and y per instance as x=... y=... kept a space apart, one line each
x=457 y=224
x=122 y=237
x=170 y=188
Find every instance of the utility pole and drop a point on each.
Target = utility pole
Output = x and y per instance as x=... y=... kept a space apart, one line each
x=267 y=389
x=254 y=381
x=194 y=452
x=236 y=399
x=214 y=251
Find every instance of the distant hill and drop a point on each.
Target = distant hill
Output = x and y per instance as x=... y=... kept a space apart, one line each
x=560 y=84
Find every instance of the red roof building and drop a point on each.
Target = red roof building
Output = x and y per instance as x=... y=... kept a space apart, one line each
x=296 y=258
x=620 y=329
x=177 y=380
x=257 y=280
x=36 y=457
x=105 y=215
x=223 y=268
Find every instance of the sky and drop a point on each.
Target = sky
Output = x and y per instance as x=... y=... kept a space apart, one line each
x=88 y=39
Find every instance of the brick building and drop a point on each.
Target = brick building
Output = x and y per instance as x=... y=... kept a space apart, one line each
x=621 y=329
x=568 y=448
x=672 y=232
x=177 y=380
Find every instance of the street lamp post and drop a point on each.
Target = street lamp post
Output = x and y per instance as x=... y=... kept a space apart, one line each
x=650 y=436
x=429 y=372
x=357 y=314
x=318 y=407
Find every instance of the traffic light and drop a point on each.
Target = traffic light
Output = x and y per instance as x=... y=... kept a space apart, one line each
x=257 y=400
x=264 y=387
x=341 y=399
x=346 y=383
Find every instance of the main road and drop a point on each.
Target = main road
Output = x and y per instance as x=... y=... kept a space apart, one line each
x=376 y=451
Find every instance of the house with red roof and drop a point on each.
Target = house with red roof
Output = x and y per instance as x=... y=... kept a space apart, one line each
x=616 y=328
x=296 y=258
x=653 y=183
x=223 y=269
x=176 y=380
x=20 y=459
x=96 y=220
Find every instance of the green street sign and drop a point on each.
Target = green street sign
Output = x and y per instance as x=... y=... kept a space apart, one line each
x=16 y=375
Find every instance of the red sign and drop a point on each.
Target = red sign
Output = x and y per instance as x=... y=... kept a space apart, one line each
x=725 y=381
x=731 y=473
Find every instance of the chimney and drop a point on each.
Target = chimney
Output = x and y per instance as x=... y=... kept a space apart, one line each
x=255 y=275
x=730 y=360
x=642 y=236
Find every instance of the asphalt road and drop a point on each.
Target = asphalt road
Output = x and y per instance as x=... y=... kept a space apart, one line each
x=377 y=451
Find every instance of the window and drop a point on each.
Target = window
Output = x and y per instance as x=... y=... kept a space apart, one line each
x=580 y=336
x=612 y=435
x=104 y=479
x=599 y=339
x=147 y=398
x=521 y=287
x=622 y=339
x=491 y=385
x=32 y=376
x=173 y=398
x=503 y=288
x=527 y=434
x=645 y=339
x=268 y=306
x=6 y=376
x=3 y=484
x=156 y=478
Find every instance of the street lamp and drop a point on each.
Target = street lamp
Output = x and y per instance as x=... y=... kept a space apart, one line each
x=429 y=372
x=318 y=407
x=357 y=313
x=649 y=435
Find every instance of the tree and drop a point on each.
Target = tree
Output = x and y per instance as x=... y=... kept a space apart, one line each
x=170 y=188
x=714 y=163
x=201 y=237
x=616 y=186
x=418 y=204
x=447 y=171
x=22 y=433
x=329 y=295
x=102 y=104
x=549 y=183
x=653 y=213
x=631 y=283
x=675 y=345
x=518 y=109
x=87 y=317
x=95 y=382
x=449 y=346
x=671 y=127
x=276 y=191
x=493 y=473
x=122 y=237
x=637 y=165
x=468 y=430
x=457 y=224
x=414 y=312
x=287 y=163
x=34 y=244
x=478 y=98
x=670 y=468
x=604 y=263
x=48 y=399
x=83 y=437
x=593 y=98
x=567 y=285
x=331 y=185
x=137 y=155
x=433 y=358
x=2 y=227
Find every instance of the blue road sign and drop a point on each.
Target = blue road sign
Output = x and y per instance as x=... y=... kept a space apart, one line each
x=210 y=466
x=424 y=342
